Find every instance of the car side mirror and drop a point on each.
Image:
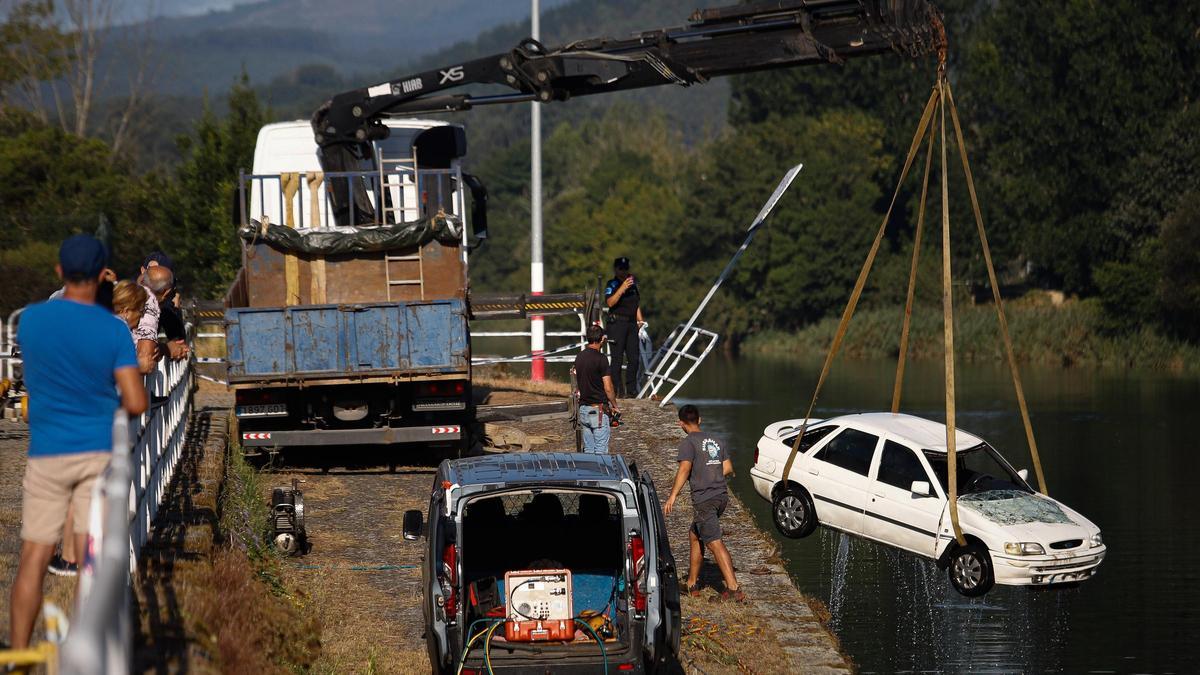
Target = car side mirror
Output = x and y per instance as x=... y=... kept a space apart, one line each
x=921 y=488
x=412 y=525
x=1024 y=474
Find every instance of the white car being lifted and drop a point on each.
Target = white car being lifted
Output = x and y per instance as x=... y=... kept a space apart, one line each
x=883 y=477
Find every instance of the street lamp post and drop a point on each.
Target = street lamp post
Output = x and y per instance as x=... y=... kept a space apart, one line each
x=537 y=327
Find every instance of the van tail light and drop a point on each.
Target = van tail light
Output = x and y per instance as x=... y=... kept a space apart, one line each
x=637 y=555
x=449 y=580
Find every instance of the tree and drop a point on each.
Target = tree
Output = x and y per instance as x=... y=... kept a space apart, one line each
x=804 y=263
x=1063 y=95
x=200 y=204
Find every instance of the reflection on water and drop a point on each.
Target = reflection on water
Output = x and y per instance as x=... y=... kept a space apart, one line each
x=1116 y=447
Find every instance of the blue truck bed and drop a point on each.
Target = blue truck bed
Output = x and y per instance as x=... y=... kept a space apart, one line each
x=365 y=342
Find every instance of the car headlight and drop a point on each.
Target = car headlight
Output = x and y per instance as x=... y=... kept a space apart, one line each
x=1097 y=540
x=1024 y=548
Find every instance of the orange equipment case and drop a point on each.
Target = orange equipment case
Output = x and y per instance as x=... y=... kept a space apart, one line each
x=538 y=606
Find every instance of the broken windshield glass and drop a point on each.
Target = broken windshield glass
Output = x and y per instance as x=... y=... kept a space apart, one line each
x=1014 y=507
x=980 y=469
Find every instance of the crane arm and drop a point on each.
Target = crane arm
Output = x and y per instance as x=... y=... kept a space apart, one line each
x=758 y=35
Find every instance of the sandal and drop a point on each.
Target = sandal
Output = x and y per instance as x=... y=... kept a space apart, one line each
x=694 y=590
x=726 y=595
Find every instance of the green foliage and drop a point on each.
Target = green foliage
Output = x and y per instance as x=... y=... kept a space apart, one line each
x=1179 y=260
x=200 y=203
x=804 y=262
x=1062 y=96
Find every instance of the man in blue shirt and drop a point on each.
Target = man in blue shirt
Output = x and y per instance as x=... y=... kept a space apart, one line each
x=79 y=365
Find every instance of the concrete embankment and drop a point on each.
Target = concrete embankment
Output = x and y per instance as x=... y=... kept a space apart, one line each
x=779 y=630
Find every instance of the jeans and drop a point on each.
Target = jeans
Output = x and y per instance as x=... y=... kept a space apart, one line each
x=596 y=430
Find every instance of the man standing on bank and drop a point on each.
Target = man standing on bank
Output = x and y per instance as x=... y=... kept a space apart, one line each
x=595 y=391
x=624 y=318
x=704 y=462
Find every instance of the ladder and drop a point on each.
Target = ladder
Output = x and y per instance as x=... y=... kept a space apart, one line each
x=686 y=343
x=403 y=280
x=399 y=210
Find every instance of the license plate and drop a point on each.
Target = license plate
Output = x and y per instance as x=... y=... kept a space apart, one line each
x=267 y=410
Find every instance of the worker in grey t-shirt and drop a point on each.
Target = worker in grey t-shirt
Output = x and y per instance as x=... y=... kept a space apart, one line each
x=704 y=463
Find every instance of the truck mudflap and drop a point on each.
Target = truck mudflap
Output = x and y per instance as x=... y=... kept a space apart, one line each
x=384 y=436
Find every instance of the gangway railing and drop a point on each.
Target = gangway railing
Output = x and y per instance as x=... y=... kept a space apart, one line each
x=691 y=348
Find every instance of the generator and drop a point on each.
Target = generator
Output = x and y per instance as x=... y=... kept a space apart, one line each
x=538 y=606
x=287 y=519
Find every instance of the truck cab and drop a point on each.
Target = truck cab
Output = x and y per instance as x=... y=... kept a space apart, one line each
x=347 y=322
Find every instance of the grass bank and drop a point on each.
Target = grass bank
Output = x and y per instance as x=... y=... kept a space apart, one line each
x=1068 y=335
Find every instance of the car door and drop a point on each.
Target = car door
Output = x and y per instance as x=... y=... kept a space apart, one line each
x=895 y=514
x=838 y=478
x=664 y=634
x=436 y=638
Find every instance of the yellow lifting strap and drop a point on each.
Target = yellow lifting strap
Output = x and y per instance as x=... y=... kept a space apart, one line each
x=987 y=257
x=948 y=332
x=861 y=281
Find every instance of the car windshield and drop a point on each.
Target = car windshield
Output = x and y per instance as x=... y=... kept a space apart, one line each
x=980 y=469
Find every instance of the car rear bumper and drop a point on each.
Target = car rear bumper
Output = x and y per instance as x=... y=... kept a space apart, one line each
x=1047 y=570
x=763 y=482
x=385 y=436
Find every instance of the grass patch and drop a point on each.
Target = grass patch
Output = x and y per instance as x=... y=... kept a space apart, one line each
x=1043 y=333
x=254 y=624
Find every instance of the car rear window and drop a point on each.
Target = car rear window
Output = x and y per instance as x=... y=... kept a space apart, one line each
x=852 y=450
x=811 y=437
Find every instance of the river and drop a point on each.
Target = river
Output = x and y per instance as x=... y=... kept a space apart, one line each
x=1116 y=446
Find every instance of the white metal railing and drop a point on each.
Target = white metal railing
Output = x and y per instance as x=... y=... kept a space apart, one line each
x=146 y=451
x=685 y=345
x=564 y=354
x=8 y=344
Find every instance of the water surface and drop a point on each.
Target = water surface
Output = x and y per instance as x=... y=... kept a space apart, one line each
x=1116 y=446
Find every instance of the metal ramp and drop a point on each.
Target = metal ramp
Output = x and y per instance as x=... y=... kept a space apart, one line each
x=688 y=345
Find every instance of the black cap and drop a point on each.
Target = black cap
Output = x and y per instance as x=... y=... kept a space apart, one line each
x=621 y=263
x=160 y=258
x=82 y=256
x=594 y=334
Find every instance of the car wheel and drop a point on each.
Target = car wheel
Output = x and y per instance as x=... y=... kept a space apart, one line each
x=793 y=512
x=970 y=570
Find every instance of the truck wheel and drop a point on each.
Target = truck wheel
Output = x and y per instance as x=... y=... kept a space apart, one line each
x=970 y=570
x=793 y=512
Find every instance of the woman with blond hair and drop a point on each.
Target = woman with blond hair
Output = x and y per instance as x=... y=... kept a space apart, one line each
x=129 y=301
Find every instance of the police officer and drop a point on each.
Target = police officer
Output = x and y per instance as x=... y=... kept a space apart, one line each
x=624 y=318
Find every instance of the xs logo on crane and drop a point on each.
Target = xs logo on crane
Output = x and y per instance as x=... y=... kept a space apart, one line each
x=452 y=74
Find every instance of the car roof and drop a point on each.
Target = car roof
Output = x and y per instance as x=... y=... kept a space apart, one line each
x=927 y=434
x=536 y=467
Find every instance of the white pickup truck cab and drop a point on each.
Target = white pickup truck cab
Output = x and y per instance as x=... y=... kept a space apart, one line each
x=883 y=477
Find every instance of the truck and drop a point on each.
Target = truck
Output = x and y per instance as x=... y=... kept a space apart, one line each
x=348 y=321
x=349 y=327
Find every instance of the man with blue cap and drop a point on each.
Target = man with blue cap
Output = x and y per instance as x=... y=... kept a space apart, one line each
x=79 y=367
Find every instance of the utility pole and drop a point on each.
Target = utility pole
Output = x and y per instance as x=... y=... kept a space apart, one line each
x=537 y=325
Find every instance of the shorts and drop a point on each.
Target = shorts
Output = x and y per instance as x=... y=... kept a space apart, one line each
x=705 y=518
x=51 y=484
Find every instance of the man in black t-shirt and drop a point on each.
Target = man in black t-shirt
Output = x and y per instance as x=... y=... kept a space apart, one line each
x=595 y=391
x=624 y=318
